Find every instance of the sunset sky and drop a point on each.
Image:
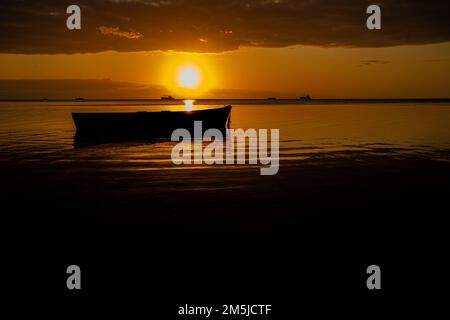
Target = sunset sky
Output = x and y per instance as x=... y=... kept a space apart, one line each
x=240 y=49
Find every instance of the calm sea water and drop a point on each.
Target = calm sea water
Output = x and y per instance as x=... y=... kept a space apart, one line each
x=358 y=184
x=333 y=158
x=42 y=132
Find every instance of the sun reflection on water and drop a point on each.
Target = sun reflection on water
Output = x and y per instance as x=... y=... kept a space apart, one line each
x=189 y=104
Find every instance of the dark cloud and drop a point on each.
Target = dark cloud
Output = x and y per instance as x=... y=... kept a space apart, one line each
x=73 y=88
x=215 y=26
x=373 y=62
x=105 y=89
x=244 y=93
x=435 y=60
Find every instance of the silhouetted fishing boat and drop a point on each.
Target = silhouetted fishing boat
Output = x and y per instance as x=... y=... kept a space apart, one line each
x=120 y=126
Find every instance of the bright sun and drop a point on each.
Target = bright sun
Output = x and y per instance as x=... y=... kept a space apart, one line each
x=189 y=76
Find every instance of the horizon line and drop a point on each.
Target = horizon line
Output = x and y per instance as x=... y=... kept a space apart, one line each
x=271 y=99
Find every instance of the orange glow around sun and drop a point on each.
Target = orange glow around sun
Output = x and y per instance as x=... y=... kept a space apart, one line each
x=189 y=77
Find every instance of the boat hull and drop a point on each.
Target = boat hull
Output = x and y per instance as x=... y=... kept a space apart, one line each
x=120 y=126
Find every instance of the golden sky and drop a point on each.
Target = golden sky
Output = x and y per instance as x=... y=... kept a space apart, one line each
x=236 y=54
x=396 y=72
